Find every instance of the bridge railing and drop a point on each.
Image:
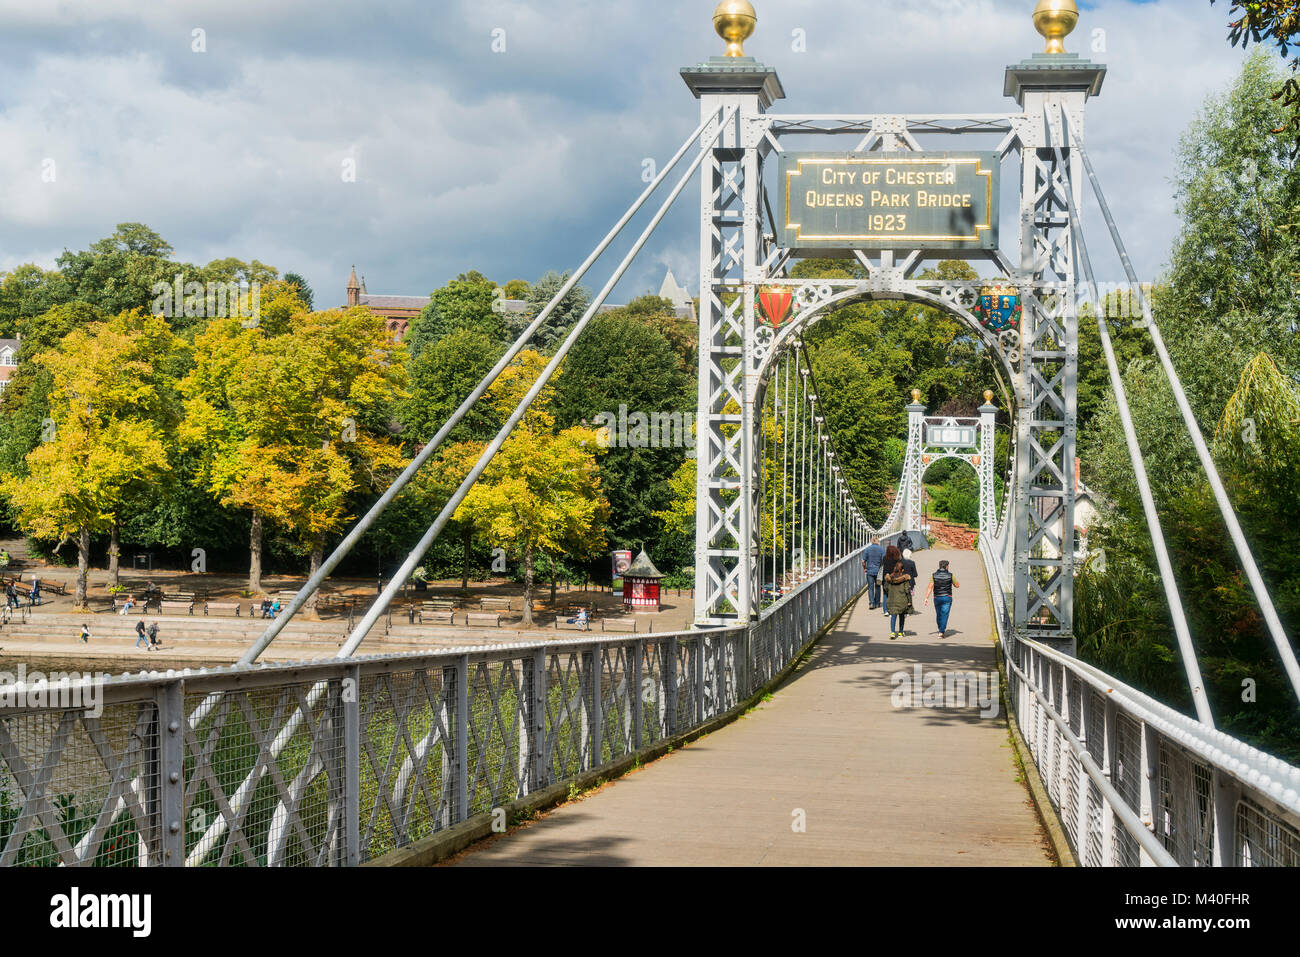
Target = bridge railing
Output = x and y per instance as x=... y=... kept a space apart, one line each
x=1135 y=782
x=338 y=761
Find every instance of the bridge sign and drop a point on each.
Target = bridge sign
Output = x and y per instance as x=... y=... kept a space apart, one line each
x=934 y=200
x=952 y=436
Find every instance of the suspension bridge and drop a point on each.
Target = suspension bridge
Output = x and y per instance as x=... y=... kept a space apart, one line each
x=819 y=743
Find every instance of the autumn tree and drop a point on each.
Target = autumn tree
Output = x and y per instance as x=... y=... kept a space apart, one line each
x=111 y=403
x=290 y=417
x=542 y=493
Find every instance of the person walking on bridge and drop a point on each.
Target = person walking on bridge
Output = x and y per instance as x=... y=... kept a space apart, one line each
x=941 y=585
x=898 y=591
x=871 y=560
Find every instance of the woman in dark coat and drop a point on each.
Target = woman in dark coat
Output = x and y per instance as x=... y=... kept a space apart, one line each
x=898 y=590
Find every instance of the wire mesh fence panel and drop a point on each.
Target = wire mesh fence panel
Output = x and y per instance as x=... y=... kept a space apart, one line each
x=407 y=764
x=617 y=701
x=497 y=749
x=1184 y=819
x=264 y=773
x=1070 y=802
x=1053 y=758
x=1095 y=742
x=688 y=655
x=1126 y=758
x=708 y=686
x=1264 y=839
x=653 y=694
x=568 y=713
x=730 y=647
x=1074 y=699
x=77 y=789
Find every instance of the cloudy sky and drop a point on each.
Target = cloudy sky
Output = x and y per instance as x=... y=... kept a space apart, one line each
x=229 y=125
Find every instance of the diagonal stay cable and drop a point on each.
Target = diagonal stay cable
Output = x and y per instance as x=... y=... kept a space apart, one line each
x=453 y=503
x=1280 y=640
x=1186 y=648
x=353 y=536
x=245 y=791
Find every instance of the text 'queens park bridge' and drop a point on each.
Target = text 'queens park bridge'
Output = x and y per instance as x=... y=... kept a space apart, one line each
x=868 y=750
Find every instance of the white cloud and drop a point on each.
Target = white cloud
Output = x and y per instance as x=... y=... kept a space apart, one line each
x=510 y=163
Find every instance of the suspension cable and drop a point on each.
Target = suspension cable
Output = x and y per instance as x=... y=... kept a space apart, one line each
x=1186 y=647
x=372 y=515
x=1280 y=640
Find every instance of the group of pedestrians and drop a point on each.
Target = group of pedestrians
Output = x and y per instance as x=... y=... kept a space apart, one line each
x=12 y=599
x=891 y=583
x=147 y=636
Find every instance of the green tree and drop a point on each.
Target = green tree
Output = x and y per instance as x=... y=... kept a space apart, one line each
x=464 y=303
x=1277 y=21
x=27 y=292
x=1228 y=314
x=624 y=373
x=304 y=290
x=120 y=272
x=562 y=319
x=441 y=377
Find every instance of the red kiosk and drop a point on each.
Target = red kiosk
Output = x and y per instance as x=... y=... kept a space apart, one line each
x=641 y=584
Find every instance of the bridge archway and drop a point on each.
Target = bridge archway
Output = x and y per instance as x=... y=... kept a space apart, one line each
x=749 y=239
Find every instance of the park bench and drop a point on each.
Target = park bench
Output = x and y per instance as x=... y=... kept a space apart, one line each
x=437 y=616
x=618 y=624
x=494 y=604
x=57 y=587
x=483 y=618
x=562 y=622
x=219 y=606
x=173 y=605
x=255 y=607
x=118 y=601
x=434 y=607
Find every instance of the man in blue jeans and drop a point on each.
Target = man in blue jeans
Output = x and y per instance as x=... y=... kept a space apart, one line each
x=871 y=559
x=941 y=584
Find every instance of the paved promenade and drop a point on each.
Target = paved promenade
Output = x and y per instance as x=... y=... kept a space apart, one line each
x=875 y=785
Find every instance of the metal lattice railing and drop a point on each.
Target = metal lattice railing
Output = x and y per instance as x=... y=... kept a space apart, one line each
x=1136 y=782
x=340 y=761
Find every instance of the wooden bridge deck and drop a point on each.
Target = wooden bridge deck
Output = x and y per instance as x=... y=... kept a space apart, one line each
x=877 y=785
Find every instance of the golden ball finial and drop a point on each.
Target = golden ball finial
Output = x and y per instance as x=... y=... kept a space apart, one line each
x=1055 y=19
x=735 y=21
x=988 y=396
x=916 y=395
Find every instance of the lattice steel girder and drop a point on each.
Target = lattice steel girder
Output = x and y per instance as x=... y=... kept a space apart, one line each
x=1041 y=357
x=1047 y=402
x=725 y=447
x=863 y=123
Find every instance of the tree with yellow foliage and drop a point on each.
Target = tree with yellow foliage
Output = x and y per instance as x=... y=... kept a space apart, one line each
x=288 y=417
x=541 y=494
x=111 y=406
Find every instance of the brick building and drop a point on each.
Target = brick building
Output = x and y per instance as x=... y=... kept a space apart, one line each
x=399 y=311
